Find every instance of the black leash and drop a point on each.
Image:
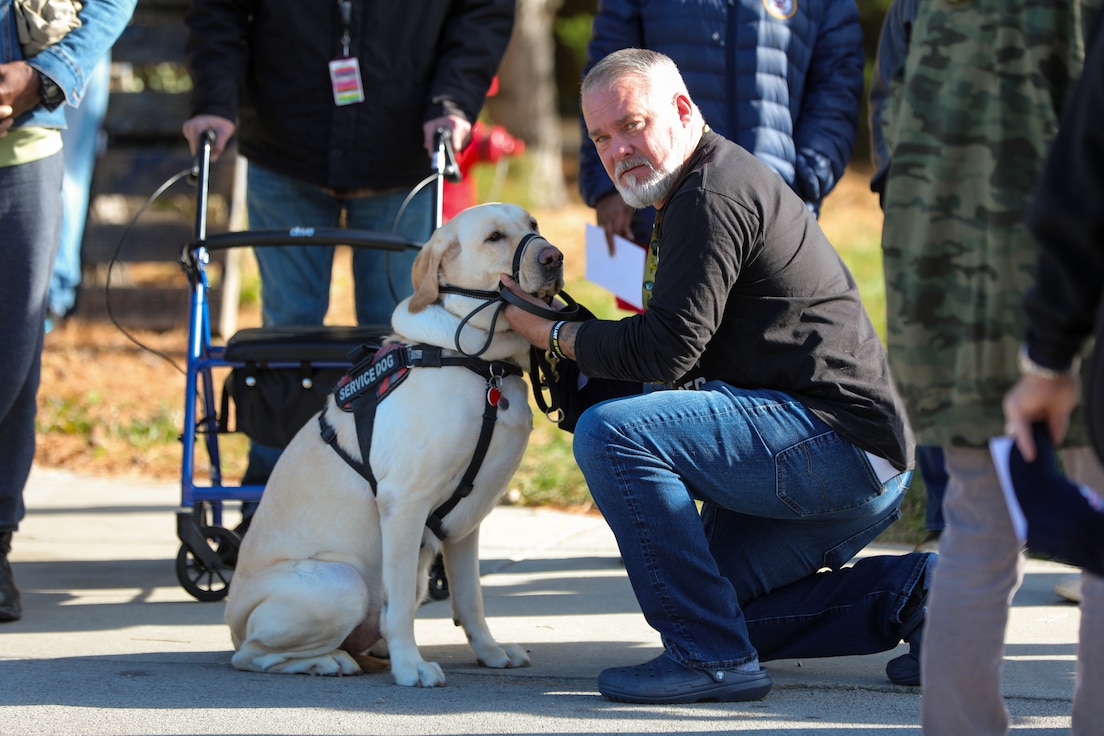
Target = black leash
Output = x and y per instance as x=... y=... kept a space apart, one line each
x=502 y=296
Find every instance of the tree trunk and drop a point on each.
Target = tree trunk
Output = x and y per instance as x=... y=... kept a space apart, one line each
x=526 y=102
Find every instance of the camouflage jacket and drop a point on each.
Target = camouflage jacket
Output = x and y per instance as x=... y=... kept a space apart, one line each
x=968 y=125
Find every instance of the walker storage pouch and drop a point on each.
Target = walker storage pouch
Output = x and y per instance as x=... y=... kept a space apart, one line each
x=563 y=393
x=277 y=383
x=271 y=405
x=572 y=399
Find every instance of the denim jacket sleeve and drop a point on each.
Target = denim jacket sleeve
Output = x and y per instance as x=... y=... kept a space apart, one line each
x=71 y=60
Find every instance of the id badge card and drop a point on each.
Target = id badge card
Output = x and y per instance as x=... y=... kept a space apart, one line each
x=345 y=78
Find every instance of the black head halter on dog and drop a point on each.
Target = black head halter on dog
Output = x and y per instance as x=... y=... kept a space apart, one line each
x=498 y=299
x=543 y=374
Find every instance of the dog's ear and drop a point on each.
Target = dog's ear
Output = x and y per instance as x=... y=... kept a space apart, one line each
x=426 y=265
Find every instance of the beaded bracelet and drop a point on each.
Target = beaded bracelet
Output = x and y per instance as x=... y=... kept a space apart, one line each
x=554 y=340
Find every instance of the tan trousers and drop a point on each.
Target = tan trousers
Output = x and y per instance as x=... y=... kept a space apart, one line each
x=979 y=570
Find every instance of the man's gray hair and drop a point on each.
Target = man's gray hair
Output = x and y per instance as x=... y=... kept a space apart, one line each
x=654 y=69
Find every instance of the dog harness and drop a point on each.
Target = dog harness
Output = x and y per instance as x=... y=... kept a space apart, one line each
x=376 y=373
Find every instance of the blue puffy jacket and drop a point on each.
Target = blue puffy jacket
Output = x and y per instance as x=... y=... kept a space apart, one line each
x=889 y=69
x=783 y=78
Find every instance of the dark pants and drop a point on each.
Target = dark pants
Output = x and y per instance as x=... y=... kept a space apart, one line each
x=30 y=220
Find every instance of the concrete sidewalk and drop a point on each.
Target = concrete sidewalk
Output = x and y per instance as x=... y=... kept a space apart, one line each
x=111 y=644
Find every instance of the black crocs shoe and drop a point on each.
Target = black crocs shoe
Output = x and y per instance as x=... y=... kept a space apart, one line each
x=905 y=670
x=663 y=680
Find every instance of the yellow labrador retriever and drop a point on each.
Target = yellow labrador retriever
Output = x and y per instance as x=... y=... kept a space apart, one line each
x=330 y=574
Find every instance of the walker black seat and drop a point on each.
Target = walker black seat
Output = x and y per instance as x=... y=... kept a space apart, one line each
x=291 y=344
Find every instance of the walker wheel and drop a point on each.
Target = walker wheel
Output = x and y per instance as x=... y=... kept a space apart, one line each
x=209 y=583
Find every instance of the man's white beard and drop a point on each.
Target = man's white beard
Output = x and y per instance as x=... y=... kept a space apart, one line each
x=653 y=189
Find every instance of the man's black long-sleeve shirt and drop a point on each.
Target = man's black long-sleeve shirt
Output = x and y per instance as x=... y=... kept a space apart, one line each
x=749 y=291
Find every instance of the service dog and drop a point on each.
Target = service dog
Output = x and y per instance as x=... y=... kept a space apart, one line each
x=331 y=573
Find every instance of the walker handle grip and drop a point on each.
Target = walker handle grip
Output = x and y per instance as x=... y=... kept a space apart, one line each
x=444 y=158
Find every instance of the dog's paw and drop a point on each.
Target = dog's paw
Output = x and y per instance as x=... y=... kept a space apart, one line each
x=504 y=657
x=424 y=674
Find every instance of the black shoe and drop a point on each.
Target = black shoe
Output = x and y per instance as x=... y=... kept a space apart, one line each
x=663 y=680
x=905 y=670
x=243 y=527
x=11 y=608
x=248 y=508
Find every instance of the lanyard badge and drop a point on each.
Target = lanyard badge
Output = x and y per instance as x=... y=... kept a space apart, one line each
x=345 y=79
x=651 y=265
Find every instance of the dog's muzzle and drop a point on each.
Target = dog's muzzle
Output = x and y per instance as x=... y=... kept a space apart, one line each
x=553 y=261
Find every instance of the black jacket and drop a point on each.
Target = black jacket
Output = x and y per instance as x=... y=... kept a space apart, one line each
x=1066 y=306
x=750 y=292
x=265 y=63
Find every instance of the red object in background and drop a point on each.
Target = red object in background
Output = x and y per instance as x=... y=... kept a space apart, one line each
x=622 y=304
x=489 y=144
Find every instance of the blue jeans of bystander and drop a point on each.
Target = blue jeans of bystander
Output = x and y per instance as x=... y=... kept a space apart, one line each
x=295 y=280
x=784 y=497
x=929 y=459
x=81 y=141
x=30 y=220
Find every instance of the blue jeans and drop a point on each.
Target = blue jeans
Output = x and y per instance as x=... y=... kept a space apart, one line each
x=783 y=497
x=930 y=462
x=295 y=280
x=30 y=220
x=81 y=139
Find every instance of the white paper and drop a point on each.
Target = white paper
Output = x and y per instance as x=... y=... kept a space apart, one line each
x=1000 y=448
x=621 y=273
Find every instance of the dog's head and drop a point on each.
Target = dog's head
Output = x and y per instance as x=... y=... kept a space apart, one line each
x=472 y=249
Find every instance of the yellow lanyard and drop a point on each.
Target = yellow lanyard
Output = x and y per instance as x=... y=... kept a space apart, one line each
x=652 y=263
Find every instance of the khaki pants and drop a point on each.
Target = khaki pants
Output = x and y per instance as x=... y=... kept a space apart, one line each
x=979 y=570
